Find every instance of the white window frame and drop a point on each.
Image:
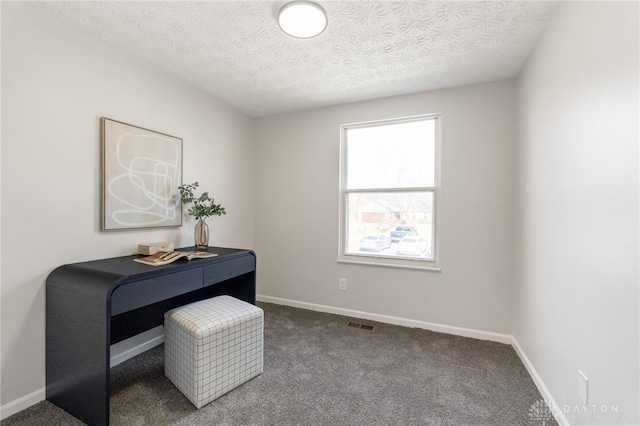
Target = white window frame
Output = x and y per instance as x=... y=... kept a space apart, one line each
x=390 y=261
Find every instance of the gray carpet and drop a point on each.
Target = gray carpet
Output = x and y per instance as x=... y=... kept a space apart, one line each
x=319 y=371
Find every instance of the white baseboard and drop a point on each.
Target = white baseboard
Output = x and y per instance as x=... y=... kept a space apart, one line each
x=14 y=407
x=136 y=345
x=458 y=331
x=542 y=388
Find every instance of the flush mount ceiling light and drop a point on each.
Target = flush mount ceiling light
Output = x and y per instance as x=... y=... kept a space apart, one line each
x=302 y=19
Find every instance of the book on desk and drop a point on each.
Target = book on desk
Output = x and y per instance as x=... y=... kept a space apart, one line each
x=164 y=258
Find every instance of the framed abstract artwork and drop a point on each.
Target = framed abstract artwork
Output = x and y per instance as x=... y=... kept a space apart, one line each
x=141 y=172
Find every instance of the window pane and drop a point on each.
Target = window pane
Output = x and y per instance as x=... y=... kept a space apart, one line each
x=391 y=156
x=396 y=224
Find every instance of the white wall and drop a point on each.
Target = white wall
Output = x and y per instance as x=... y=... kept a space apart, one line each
x=296 y=221
x=56 y=84
x=576 y=297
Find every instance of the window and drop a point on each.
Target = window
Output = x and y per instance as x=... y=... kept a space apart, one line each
x=389 y=192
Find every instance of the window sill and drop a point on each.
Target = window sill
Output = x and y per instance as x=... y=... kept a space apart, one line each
x=423 y=265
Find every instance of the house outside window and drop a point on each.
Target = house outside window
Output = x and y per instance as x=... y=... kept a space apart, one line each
x=389 y=189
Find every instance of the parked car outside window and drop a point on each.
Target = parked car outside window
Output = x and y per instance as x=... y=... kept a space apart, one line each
x=402 y=231
x=413 y=246
x=375 y=242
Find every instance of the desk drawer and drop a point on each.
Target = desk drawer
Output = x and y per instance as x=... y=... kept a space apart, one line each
x=222 y=271
x=145 y=292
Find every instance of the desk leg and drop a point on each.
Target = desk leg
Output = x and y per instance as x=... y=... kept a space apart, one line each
x=77 y=364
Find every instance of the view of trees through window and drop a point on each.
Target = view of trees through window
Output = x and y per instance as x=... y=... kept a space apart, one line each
x=389 y=184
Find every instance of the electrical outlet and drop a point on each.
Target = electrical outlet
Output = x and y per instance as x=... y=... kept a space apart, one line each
x=583 y=388
x=342 y=284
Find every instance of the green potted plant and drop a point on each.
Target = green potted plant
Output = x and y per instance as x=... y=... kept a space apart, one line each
x=203 y=207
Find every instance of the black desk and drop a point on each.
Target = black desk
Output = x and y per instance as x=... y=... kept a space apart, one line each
x=92 y=305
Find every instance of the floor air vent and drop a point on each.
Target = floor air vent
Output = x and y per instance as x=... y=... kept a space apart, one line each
x=361 y=326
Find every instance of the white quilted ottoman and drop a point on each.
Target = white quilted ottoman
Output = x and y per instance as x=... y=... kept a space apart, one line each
x=212 y=347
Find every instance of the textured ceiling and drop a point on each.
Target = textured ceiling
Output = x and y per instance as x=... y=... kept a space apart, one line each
x=235 y=51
